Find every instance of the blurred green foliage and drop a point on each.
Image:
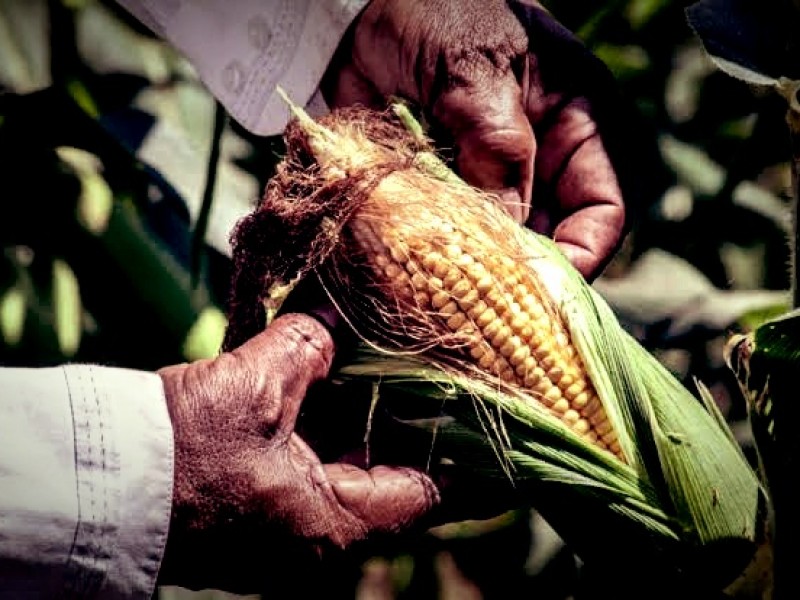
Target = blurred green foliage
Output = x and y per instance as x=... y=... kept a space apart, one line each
x=105 y=139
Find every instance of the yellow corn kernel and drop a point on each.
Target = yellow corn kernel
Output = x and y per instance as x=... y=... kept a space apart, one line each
x=492 y=304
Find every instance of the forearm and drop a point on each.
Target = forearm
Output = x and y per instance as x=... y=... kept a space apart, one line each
x=242 y=50
x=85 y=482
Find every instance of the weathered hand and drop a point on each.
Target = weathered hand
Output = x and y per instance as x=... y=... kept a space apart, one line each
x=248 y=491
x=508 y=85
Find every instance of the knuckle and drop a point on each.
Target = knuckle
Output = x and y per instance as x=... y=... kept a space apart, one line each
x=308 y=335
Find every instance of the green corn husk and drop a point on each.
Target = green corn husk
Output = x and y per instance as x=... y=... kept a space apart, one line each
x=684 y=504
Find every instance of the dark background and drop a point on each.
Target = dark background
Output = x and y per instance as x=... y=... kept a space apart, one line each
x=105 y=137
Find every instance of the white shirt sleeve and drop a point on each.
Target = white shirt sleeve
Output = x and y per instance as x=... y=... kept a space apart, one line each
x=86 y=469
x=243 y=49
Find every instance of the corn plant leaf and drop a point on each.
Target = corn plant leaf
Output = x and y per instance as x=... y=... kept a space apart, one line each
x=24 y=46
x=96 y=200
x=684 y=83
x=108 y=45
x=625 y=62
x=67 y=308
x=204 y=339
x=13 y=305
x=764 y=362
x=705 y=177
x=753 y=41
x=779 y=339
x=639 y=13
x=662 y=289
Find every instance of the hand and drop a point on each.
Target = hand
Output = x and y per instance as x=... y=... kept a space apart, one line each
x=509 y=100
x=249 y=493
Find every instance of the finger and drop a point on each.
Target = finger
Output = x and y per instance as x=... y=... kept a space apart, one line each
x=346 y=86
x=291 y=354
x=591 y=234
x=585 y=238
x=494 y=141
x=383 y=499
x=591 y=152
x=575 y=165
x=311 y=298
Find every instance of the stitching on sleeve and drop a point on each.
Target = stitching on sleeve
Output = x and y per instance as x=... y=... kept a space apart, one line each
x=68 y=581
x=101 y=532
x=89 y=557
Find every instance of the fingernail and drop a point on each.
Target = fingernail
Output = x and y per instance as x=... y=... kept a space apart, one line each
x=513 y=203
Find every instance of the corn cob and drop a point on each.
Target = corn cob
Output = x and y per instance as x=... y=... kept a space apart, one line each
x=425 y=267
x=493 y=305
x=464 y=276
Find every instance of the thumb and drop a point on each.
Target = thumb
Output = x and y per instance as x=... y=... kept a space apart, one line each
x=294 y=352
x=494 y=140
x=385 y=499
x=345 y=86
